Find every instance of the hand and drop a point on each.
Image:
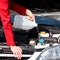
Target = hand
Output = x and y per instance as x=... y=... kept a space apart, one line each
x=30 y=15
x=17 y=51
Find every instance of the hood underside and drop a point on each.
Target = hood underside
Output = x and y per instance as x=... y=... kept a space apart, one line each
x=40 y=5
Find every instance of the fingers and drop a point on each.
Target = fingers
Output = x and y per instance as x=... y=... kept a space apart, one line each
x=17 y=52
x=18 y=55
x=31 y=18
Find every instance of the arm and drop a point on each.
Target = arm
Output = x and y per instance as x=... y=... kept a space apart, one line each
x=18 y=8
x=22 y=10
x=5 y=18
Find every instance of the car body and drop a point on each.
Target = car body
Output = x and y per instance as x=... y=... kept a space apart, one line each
x=47 y=18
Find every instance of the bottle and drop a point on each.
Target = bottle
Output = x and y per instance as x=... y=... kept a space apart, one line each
x=41 y=40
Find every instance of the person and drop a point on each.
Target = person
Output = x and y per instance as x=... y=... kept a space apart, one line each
x=7 y=26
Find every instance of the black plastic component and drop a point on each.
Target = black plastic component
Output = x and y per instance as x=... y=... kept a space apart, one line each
x=51 y=39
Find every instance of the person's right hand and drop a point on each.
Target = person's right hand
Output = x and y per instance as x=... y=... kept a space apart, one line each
x=30 y=15
x=17 y=51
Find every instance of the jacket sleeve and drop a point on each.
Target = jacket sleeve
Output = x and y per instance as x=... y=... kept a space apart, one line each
x=18 y=8
x=5 y=18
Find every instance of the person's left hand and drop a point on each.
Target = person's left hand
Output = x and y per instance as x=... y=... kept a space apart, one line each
x=17 y=51
x=30 y=15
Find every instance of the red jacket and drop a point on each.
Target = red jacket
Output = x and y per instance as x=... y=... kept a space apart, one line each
x=5 y=18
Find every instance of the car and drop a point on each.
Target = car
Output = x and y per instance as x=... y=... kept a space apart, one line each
x=46 y=34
